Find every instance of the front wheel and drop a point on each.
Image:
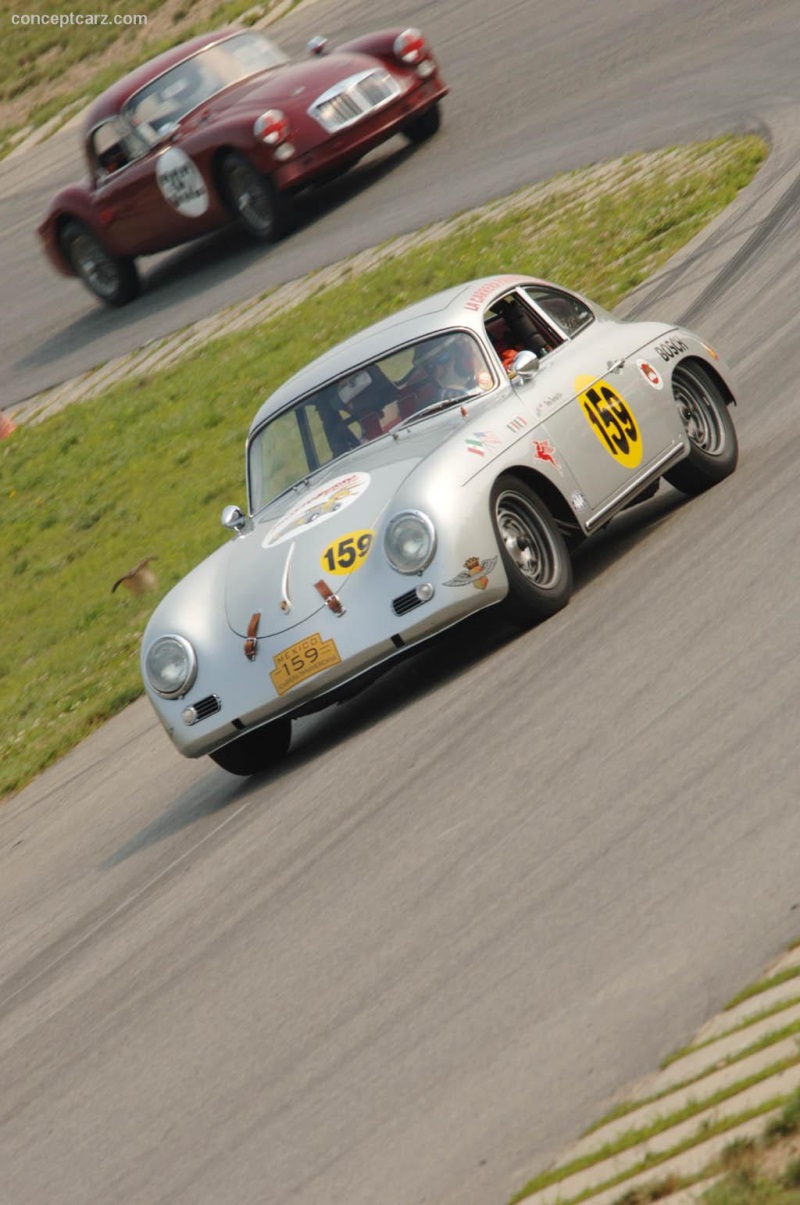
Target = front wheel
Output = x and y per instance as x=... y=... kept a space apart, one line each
x=253 y=199
x=424 y=127
x=535 y=556
x=111 y=278
x=713 y=445
x=256 y=751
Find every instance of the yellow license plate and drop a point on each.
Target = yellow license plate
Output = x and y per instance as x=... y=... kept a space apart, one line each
x=303 y=660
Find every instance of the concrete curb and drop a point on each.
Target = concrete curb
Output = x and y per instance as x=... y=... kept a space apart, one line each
x=720 y=1059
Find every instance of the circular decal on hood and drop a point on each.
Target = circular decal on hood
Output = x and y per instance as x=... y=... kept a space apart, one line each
x=315 y=508
x=181 y=183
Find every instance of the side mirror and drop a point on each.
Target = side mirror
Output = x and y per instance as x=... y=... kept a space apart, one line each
x=166 y=133
x=317 y=45
x=525 y=365
x=234 y=518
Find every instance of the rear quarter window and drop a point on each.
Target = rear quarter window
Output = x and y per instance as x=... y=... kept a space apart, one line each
x=567 y=311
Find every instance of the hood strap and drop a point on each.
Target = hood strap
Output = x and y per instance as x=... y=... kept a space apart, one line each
x=251 y=643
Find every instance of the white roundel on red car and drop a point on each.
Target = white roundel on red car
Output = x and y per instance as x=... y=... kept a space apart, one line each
x=181 y=183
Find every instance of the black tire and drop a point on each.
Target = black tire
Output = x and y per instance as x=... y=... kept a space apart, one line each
x=256 y=751
x=535 y=556
x=714 y=447
x=425 y=126
x=114 y=280
x=253 y=199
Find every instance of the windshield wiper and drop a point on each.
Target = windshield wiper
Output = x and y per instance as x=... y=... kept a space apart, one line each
x=436 y=407
x=306 y=480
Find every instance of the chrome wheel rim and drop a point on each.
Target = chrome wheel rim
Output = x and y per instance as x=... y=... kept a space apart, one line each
x=527 y=540
x=94 y=265
x=251 y=198
x=699 y=413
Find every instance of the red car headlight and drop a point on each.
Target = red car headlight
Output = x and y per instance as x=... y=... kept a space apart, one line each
x=410 y=47
x=272 y=127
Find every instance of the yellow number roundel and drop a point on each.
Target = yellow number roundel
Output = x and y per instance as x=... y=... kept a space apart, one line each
x=611 y=419
x=347 y=553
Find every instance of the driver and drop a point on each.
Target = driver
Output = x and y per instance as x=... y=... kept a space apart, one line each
x=456 y=367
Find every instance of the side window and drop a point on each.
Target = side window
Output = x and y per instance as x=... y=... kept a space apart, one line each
x=512 y=327
x=113 y=145
x=569 y=312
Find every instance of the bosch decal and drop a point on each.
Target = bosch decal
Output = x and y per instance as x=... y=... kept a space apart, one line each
x=671 y=348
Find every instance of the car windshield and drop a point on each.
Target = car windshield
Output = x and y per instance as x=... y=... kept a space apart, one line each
x=156 y=108
x=355 y=409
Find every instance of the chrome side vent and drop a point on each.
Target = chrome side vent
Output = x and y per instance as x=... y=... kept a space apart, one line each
x=406 y=602
x=202 y=709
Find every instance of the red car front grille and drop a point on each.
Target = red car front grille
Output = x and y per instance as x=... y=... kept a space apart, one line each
x=354 y=98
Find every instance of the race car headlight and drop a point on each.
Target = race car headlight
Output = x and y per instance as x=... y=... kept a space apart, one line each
x=170 y=666
x=272 y=127
x=409 y=541
x=409 y=47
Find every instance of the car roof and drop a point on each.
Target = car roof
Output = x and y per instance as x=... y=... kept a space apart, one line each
x=109 y=103
x=460 y=306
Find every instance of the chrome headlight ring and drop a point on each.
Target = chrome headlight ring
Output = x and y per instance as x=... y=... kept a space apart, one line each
x=409 y=541
x=171 y=666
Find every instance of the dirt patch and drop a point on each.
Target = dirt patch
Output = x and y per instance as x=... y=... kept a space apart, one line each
x=774 y=1159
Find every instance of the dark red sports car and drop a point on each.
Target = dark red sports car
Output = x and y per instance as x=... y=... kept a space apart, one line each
x=225 y=128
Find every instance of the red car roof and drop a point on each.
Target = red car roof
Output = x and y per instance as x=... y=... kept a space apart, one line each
x=109 y=103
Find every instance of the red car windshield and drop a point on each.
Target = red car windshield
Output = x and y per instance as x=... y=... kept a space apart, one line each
x=156 y=108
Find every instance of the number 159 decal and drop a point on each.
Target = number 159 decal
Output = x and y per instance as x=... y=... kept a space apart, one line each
x=347 y=553
x=612 y=421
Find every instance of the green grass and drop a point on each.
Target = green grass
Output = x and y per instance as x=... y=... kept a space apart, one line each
x=745 y=1181
x=36 y=54
x=51 y=69
x=145 y=468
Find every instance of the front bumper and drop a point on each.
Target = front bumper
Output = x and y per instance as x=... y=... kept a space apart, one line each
x=234 y=694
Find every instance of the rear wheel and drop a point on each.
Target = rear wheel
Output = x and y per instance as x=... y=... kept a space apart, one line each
x=112 y=278
x=253 y=199
x=535 y=556
x=256 y=751
x=425 y=126
x=713 y=445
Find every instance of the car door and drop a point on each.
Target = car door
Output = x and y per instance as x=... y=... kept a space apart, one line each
x=609 y=419
x=150 y=197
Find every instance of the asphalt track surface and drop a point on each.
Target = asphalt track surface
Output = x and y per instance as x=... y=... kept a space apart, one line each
x=481 y=900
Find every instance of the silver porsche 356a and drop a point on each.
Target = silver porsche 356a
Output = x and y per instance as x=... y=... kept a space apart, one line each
x=443 y=460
